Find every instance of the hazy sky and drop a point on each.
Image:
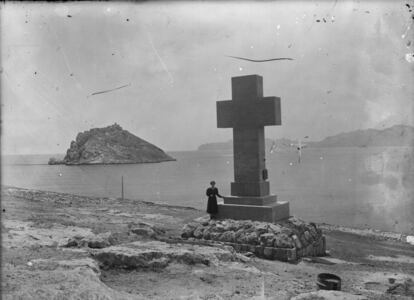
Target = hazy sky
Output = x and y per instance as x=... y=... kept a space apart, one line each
x=350 y=72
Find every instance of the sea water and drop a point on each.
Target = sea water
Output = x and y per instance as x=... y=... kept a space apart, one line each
x=359 y=187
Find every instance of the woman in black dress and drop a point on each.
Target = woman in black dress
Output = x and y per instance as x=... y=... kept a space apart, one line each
x=212 y=192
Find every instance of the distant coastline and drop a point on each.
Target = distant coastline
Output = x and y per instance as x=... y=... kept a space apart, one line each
x=398 y=136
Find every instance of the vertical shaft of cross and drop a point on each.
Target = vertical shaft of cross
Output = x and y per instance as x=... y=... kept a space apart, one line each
x=249 y=154
x=249 y=162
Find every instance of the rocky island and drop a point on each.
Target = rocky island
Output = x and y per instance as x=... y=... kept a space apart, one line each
x=111 y=145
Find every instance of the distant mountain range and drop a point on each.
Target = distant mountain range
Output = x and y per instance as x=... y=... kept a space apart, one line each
x=398 y=135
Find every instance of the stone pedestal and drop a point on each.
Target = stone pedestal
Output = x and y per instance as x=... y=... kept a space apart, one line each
x=286 y=240
x=264 y=209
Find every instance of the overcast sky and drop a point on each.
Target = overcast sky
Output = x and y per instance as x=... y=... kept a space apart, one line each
x=350 y=70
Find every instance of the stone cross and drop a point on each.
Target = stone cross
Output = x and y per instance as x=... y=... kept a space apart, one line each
x=247 y=114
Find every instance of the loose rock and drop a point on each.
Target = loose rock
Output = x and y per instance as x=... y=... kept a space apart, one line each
x=101 y=240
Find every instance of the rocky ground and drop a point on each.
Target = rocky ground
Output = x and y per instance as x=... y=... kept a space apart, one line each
x=61 y=246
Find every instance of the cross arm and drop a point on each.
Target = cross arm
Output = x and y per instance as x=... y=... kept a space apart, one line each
x=270 y=111
x=248 y=114
x=225 y=114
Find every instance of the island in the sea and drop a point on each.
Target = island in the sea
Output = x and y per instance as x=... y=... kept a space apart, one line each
x=110 y=145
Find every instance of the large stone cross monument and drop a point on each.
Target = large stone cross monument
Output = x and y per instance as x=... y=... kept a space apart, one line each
x=247 y=114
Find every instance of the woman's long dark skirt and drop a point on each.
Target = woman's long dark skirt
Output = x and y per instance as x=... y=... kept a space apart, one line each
x=212 y=207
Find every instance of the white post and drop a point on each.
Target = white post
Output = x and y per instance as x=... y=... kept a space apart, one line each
x=122 y=187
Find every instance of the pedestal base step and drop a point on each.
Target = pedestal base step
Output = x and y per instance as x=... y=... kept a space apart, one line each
x=249 y=200
x=270 y=213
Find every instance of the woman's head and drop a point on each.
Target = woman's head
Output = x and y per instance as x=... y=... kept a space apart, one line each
x=212 y=183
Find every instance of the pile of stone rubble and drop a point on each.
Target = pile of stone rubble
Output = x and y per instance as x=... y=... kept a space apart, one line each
x=287 y=240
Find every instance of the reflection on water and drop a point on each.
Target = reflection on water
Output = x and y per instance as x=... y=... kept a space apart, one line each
x=359 y=187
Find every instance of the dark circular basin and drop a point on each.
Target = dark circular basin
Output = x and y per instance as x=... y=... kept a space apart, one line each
x=327 y=281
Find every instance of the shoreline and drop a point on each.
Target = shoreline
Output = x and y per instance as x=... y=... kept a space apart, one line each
x=368 y=232
x=103 y=198
x=108 y=163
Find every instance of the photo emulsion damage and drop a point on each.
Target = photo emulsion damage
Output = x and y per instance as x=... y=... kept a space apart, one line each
x=207 y=150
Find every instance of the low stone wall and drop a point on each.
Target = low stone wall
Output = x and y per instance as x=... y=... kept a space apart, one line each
x=287 y=240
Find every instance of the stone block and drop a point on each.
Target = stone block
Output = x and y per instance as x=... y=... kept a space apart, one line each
x=284 y=254
x=292 y=254
x=245 y=248
x=322 y=249
x=259 y=251
x=268 y=252
x=237 y=247
x=252 y=248
x=272 y=213
x=317 y=248
x=250 y=200
x=245 y=88
x=254 y=189
x=309 y=250
x=249 y=152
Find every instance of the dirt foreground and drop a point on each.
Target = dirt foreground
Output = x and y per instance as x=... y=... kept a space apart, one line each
x=62 y=246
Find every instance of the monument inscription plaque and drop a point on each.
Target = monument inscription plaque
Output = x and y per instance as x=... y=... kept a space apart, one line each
x=247 y=114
